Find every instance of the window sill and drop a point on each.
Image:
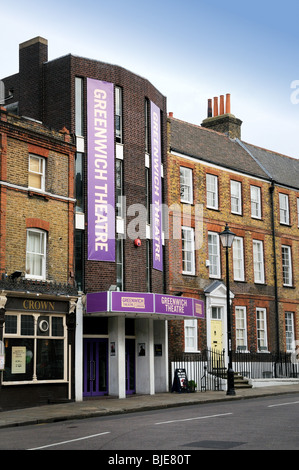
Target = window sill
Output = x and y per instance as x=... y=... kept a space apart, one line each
x=192 y=352
x=35 y=193
x=31 y=382
x=237 y=213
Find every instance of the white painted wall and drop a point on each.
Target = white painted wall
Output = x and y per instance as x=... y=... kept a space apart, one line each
x=117 y=363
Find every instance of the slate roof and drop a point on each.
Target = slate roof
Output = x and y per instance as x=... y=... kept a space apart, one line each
x=211 y=146
x=282 y=169
x=219 y=149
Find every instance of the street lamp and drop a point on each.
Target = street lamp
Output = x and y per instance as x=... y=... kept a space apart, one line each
x=227 y=238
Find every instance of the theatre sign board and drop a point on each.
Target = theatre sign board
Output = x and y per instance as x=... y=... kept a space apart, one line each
x=144 y=304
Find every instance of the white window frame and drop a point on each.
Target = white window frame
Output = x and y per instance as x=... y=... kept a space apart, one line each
x=261 y=327
x=41 y=172
x=214 y=255
x=190 y=332
x=241 y=328
x=289 y=331
x=284 y=211
x=236 y=197
x=255 y=199
x=286 y=261
x=188 y=253
x=41 y=254
x=258 y=261
x=186 y=184
x=216 y=312
x=238 y=259
x=212 y=191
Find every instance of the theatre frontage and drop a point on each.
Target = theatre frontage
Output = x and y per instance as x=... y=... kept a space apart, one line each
x=125 y=343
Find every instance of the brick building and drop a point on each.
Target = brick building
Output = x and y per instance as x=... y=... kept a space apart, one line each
x=119 y=121
x=215 y=178
x=36 y=263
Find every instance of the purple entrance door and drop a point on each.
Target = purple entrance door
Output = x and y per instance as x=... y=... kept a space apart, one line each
x=95 y=370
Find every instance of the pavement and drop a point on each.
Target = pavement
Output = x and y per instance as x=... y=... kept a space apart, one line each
x=104 y=406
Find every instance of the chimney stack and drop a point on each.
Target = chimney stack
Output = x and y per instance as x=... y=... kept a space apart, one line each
x=221 y=121
x=32 y=55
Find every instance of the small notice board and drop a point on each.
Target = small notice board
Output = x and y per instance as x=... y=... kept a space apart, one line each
x=180 y=381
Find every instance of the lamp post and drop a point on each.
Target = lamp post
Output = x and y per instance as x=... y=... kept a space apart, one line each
x=227 y=238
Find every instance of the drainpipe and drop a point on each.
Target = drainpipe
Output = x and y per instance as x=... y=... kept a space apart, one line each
x=271 y=189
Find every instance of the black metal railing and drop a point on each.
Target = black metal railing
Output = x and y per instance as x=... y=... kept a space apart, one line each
x=208 y=368
x=265 y=365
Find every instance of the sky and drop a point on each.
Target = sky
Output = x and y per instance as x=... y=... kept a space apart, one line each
x=189 y=50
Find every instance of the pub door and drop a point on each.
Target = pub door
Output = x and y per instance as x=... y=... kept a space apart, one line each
x=130 y=366
x=95 y=367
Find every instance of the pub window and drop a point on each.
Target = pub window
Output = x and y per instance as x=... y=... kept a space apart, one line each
x=34 y=347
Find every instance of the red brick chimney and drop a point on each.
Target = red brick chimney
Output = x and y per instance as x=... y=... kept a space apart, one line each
x=221 y=121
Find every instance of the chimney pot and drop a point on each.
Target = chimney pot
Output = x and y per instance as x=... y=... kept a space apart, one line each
x=216 y=106
x=210 y=110
x=170 y=114
x=227 y=107
x=221 y=104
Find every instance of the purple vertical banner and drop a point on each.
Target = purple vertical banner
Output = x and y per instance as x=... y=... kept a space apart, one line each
x=156 y=218
x=100 y=164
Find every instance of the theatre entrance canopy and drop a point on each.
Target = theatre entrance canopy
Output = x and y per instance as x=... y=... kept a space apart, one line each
x=143 y=305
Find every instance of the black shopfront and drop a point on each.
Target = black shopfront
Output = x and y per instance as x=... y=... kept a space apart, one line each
x=38 y=336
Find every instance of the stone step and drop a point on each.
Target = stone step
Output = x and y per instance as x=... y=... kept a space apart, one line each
x=241 y=382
